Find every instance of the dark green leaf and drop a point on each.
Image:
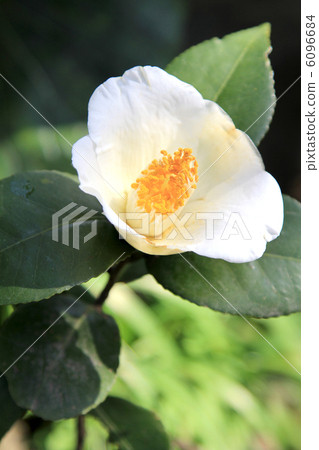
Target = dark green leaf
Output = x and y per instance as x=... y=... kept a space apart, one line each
x=71 y=368
x=131 y=427
x=33 y=265
x=9 y=411
x=269 y=286
x=234 y=72
x=133 y=270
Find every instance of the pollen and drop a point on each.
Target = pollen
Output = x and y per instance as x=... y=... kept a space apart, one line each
x=167 y=182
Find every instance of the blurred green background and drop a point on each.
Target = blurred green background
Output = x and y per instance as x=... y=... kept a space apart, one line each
x=213 y=381
x=57 y=52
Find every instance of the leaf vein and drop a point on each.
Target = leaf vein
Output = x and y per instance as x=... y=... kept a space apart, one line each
x=233 y=69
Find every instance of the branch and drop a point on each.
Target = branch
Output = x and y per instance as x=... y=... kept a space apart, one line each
x=113 y=272
x=81 y=433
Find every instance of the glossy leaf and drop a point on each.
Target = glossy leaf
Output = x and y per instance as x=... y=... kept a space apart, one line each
x=234 y=72
x=66 y=371
x=131 y=427
x=267 y=287
x=33 y=265
x=9 y=411
x=133 y=270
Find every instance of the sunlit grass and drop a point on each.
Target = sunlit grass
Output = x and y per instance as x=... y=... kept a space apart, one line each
x=210 y=377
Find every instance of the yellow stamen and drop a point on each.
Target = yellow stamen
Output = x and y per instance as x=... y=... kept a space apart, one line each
x=165 y=184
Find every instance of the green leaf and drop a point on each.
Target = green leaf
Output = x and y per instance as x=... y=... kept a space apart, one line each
x=9 y=411
x=131 y=427
x=33 y=265
x=234 y=72
x=267 y=287
x=133 y=270
x=68 y=370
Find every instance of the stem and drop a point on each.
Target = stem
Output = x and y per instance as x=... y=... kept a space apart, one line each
x=81 y=433
x=113 y=272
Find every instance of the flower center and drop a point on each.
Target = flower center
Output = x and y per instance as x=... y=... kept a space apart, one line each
x=165 y=185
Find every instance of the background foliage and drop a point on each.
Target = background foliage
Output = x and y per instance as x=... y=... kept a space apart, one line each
x=59 y=52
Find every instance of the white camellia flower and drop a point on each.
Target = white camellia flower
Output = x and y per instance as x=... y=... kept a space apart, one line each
x=172 y=172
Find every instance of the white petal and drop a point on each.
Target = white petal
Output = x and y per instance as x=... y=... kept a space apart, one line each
x=223 y=153
x=92 y=180
x=247 y=215
x=232 y=183
x=140 y=242
x=133 y=117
